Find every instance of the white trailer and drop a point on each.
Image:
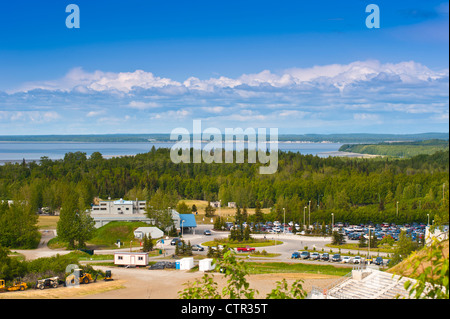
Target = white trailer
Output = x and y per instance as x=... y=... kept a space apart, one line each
x=206 y=265
x=131 y=259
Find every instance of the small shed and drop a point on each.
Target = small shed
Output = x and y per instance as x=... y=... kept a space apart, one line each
x=186 y=263
x=206 y=265
x=130 y=258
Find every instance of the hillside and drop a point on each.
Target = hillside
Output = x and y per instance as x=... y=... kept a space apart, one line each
x=398 y=149
x=405 y=267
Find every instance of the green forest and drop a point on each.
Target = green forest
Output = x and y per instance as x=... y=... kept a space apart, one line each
x=398 y=149
x=354 y=190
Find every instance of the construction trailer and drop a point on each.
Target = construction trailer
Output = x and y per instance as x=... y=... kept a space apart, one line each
x=132 y=259
x=185 y=263
x=206 y=264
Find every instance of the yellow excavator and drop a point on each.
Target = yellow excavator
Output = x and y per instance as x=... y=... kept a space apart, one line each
x=84 y=278
x=17 y=285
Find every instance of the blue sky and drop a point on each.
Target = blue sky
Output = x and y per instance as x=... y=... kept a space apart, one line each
x=151 y=66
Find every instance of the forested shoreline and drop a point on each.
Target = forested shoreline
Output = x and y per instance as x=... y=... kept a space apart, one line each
x=398 y=149
x=354 y=190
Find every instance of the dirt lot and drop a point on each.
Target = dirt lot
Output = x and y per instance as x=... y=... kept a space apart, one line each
x=159 y=284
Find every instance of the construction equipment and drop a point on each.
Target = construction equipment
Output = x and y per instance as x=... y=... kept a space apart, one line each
x=84 y=278
x=17 y=285
x=47 y=283
x=108 y=276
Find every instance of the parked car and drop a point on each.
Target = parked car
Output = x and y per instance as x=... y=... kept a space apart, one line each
x=207 y=232
x=336 y=258
x=197 y=248
x=295 y=255
x=175 y=241
x=245 y=249
x=357 y=260
x=379 y=261
x=305 y=255
x=315 y=256
x=346 y=259
x=325 y=256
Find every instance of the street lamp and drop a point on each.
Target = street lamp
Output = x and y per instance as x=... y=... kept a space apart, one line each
x=309 y=214
x=304 y=216
x=397 y=208
x=332 y=222
x=428 y=223
x=182 y=227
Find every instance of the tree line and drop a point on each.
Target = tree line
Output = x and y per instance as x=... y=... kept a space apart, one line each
x=305 y=189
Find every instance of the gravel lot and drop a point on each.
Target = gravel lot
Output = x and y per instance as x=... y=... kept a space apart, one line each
x=159 y=284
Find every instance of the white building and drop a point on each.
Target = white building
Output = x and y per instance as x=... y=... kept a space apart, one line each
x=120 y=207
x=152 y=232
x=215 y=204
x=130 y=259
x=231 y=204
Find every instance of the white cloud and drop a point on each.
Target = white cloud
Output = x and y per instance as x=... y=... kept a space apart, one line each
x=366 y=117
x=359 y=92
x=95 y=113
x=140 y=105
x=338 y=76
x=31 y=116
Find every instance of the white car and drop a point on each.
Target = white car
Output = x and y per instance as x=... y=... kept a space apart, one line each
x=357 y=260
x=346 y=259
x=315 y=256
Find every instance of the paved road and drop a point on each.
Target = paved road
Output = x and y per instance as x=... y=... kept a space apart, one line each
x=290 y=243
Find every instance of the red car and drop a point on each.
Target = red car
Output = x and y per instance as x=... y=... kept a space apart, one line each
x=245 y=249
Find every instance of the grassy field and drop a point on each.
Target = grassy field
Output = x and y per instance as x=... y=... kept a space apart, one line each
x=277 y=267
x=47 y=222
x=224 y=212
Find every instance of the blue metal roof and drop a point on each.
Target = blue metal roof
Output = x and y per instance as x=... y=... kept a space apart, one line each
x=187 y=220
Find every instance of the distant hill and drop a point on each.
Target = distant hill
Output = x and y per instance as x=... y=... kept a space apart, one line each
x=398 y=149
x=155 y=138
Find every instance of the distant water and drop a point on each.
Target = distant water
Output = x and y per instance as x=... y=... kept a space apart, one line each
x=33 y=151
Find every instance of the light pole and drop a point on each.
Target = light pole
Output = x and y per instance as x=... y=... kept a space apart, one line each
x=304 y=216
x=284 y=220
x=309 y=214
x=397 y=208
x=182 y=227
x=332 y=222
x=428 y=223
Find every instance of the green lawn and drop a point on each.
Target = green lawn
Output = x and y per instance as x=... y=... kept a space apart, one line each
x=252 y=243
x=277 y=267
